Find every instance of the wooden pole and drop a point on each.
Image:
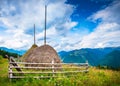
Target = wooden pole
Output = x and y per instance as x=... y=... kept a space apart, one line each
x=53 y=67
x=87 y=67
x=45 y=24
x=10 y=69
x=34 y=34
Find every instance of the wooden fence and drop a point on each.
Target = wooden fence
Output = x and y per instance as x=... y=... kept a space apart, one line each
x=20 y=70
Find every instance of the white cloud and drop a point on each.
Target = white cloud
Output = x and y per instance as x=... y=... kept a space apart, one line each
x=106 y=34
x=109 y=14
x=102 y=38
x=18 y=16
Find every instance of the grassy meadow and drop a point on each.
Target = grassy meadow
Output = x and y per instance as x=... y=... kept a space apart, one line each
x=95 y=77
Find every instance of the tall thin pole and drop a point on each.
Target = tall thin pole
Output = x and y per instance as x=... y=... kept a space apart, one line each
x=34 y=33
x=45 y=24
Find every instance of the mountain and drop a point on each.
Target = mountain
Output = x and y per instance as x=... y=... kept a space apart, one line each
x=111 y=60
x=79 y=56
x=93 y=56
x=20 y=52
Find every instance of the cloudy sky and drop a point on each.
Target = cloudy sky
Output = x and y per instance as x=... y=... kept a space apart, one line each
x=71 y=24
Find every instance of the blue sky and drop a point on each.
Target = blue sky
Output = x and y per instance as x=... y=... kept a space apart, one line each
x=71 y=24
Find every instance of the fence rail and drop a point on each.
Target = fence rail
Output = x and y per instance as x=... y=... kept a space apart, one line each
x=20 y=70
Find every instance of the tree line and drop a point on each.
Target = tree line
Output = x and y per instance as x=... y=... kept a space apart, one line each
x=3 y=53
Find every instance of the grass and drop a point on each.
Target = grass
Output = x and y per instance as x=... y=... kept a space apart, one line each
x=95 y=77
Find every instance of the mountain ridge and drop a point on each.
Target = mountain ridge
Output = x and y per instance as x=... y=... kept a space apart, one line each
x=93 y=56
x=20 y=52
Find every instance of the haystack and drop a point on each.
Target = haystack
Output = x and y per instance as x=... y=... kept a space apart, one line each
x=28 y=52
x=43 y=54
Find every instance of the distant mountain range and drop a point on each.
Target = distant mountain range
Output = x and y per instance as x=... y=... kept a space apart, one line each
x=109 y=56
x=20 y=52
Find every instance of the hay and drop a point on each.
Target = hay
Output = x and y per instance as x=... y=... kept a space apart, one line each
x=27 y=53
x=43 y=54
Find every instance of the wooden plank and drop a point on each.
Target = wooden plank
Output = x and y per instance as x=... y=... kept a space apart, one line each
x=15 y=64
x=79 y=64
x=48 y=67
x=51 y=72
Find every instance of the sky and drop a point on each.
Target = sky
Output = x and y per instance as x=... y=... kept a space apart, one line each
x=71 y=24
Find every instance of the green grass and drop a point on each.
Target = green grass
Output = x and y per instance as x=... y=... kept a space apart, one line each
x=95 y=77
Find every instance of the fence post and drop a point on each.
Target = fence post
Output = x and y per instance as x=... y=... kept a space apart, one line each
x=53 y=67
x=10 y=69
x=87 y=67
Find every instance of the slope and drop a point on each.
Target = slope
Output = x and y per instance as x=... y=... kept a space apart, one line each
x=112 y=59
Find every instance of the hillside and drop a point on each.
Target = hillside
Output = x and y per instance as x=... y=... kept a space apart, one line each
x=79 y=56
x=93 y=56
x=112 y=59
